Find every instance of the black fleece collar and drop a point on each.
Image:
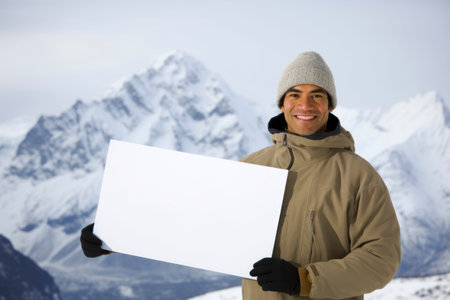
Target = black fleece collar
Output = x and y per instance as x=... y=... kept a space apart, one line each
x=278 y=124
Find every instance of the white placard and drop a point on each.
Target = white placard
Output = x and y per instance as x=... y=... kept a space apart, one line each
x=203 y=212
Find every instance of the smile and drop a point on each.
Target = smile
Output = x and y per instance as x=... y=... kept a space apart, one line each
x=306 y=118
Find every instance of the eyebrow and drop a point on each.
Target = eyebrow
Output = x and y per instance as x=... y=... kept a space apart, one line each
x=319 y=90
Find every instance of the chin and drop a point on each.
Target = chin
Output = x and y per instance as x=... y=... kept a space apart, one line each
x=304 y=132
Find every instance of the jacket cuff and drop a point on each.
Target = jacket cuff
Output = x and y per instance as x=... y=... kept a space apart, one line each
x=305 y=282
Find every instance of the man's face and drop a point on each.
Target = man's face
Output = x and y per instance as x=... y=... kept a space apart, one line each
x=306 y=109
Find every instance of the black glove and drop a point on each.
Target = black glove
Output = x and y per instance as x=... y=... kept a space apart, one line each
x=90 y=243
x=277 y=275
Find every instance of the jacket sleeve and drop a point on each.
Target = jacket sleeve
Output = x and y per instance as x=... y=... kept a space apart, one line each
x=374 y=255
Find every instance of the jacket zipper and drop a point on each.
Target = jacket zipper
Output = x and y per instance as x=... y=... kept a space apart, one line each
x=290 y=152
x=313 y=235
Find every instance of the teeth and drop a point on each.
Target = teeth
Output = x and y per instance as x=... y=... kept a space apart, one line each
x=305 y=117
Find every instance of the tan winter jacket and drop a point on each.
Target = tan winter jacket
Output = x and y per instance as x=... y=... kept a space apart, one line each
x=337 y=224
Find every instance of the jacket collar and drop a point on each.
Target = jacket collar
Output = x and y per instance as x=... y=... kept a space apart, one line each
x=278 y=124
x=335 y=135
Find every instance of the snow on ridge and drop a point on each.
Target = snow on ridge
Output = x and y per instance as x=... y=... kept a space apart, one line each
x=170 y=67
x=375 y=130
x=422 y=110
x=431 y=287
x=177 y=56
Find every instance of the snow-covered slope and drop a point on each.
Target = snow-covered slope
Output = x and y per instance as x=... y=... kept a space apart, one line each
x=431 y=287
x=51 y=176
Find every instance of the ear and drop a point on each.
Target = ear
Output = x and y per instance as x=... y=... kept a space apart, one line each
x=282 y=109
x=330 y=109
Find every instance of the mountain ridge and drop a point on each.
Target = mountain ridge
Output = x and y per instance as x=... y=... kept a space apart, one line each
x=51 y=186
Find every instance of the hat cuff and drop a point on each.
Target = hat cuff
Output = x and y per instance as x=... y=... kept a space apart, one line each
x=309 y=75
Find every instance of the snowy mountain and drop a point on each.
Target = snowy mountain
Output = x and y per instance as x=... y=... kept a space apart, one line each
x=50 y=187
x=51 y=176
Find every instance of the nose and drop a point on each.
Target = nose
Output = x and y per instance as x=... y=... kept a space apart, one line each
x=305 y=102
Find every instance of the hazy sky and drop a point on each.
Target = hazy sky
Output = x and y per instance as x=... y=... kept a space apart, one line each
x=54 y=52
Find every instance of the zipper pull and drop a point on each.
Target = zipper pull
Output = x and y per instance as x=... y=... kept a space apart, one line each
x=285 y=140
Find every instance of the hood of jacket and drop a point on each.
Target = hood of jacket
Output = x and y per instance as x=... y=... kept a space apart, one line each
x=335 y=136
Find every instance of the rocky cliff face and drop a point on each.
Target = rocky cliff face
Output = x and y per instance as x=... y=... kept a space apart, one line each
x=22 y=278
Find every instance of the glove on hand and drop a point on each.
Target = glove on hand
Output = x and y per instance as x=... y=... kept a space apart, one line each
x=90 y=243
x=277 y=275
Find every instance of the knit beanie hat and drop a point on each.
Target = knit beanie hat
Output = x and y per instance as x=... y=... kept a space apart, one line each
x=307 y=68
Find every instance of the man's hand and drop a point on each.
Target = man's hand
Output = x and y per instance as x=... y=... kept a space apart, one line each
x=90 y=243
x=277 y=275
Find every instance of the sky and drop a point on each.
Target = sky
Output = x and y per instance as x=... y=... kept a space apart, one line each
x=54 y=52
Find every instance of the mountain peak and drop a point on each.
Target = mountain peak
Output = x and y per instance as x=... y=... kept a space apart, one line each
x=426 y=99
x=177 y=67
x=177 y=103
x=423 y=110
x=173 y=56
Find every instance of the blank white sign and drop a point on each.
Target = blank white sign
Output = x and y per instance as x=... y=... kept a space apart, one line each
x=197 y=211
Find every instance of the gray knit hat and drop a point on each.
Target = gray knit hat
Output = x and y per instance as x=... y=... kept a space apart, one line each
x=307 y=68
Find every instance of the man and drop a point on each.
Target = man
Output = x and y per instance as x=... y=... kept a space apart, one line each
x=338 y=235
